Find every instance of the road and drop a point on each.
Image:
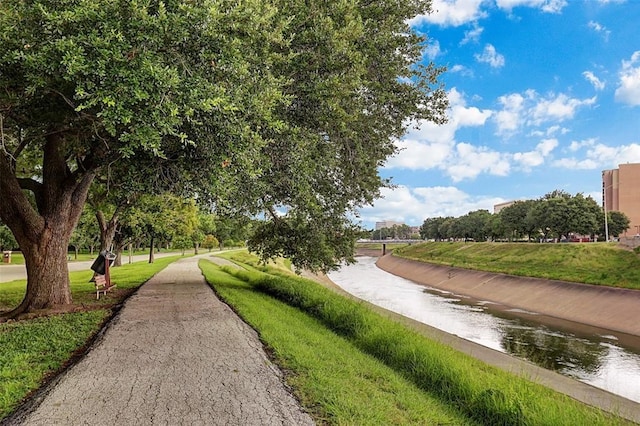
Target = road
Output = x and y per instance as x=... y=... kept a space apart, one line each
x=19 y=272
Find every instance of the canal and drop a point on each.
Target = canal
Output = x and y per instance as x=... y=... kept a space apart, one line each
x=601 y=358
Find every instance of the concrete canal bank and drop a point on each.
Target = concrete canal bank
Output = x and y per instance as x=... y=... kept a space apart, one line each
x=603 y=307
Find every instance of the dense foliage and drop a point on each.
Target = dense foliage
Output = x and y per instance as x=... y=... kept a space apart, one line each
x=558 y=215
x=273 y=109
x=7 y=241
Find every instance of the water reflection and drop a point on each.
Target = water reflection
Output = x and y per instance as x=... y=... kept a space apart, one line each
x=595 y=356
x=553 y=351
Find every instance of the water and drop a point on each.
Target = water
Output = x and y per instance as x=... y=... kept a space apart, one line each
x=604 y=359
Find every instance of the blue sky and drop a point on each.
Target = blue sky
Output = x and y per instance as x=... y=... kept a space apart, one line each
x=544 y=95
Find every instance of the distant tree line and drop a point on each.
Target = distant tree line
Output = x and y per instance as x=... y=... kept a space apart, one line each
x=395 y=232
x=557 y=215
x=150 y=221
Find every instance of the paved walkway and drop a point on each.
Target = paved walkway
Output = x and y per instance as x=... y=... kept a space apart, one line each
x=174 y=355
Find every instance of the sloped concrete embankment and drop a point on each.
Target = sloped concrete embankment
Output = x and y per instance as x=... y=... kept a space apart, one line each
x=604 y=307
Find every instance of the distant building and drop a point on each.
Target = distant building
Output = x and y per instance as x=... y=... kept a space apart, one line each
x=387 y=224
x=621 y=192
x=498 y=207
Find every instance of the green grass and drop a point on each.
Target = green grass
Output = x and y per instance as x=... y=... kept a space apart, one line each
x=378 y=245
x=338 y=383
x=590 y=263
x=481 y=393
x=34 y=349
x=127 y=276
x=18 y=259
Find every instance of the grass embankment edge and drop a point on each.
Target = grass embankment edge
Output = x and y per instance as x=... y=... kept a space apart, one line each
x=482 y=393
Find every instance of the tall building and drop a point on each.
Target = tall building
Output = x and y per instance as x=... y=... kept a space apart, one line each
x=498 y=207
x=387 y=224
x=621 y=192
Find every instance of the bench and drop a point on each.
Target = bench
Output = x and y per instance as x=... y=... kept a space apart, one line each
x=102 y=286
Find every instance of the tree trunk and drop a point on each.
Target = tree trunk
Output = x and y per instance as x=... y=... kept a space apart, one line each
x=119 y=244
x=44 y=234
x=151 y=251
x=47 y=273
x=118 y=259
x=107 y=229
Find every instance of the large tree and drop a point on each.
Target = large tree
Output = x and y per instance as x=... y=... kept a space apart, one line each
x=354 y=86
x=518 y=219
x=260 y=107
x=560 y=214
x=617 y=223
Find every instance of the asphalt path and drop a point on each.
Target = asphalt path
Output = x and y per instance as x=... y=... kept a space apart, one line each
x=174 y=355
x=19 y=272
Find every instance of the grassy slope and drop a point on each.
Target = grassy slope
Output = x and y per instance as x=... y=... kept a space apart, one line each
x=335 y=381
x=484 y=394
x=600 y=264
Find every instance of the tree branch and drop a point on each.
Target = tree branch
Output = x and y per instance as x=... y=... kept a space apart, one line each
x=271 y=211
x=22 y=144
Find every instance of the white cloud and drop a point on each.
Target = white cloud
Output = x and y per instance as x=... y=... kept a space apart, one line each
x=555 y=130
x=520 y=110
x=435 y=147
x=417 y=155
x=612 y=156
x=472 y=35
x=595 y=81
x=451 y=13
x=596 y=26
x=444 y=194
x=430 y=145
x=461 y=69
x=413 y=205
x=558 y=108
x=578 y=145
x=546 y=146
x=490 y=56
x=538 y=156
x=469 y=161
x=432 y=50
x=549 y=6
x=576 y=164
x=628 y=90
x=459 y=116
x=599 y=28
x=599 y=156
x=509 y=118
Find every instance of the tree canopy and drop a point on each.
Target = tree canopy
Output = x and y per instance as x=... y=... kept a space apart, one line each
x=557 y=215
x=266 y=108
